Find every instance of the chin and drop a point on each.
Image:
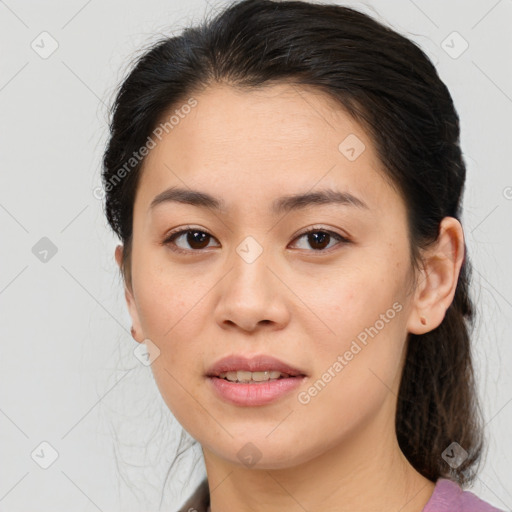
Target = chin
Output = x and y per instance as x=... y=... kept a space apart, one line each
x=261 y=453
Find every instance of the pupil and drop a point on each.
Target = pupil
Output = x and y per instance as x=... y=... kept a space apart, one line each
x=193 y=236
x=323 y=237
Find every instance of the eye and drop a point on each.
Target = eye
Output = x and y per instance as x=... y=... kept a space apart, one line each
x=196 y=238
x=319 y=238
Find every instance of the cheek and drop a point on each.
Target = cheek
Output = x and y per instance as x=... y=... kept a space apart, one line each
x=347 y=302
x=357 y=370
x=361 y=315
x=166 y=297
x=169 y=309
x=171 y=305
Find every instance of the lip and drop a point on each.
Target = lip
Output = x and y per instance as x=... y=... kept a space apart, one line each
x=256 y=393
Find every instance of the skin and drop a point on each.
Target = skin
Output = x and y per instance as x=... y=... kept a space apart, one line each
x=339 y=452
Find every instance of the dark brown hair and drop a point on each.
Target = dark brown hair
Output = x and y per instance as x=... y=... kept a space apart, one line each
x=388 y=84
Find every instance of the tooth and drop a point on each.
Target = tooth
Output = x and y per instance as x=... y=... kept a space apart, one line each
x=244 y=376
x=260 y=376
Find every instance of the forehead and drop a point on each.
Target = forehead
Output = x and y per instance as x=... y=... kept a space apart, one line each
x=261 y=143
x=283 y=117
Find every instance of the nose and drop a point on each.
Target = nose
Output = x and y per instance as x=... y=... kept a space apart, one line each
x=252 y=296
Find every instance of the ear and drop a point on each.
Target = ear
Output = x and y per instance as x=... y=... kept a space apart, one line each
x=435 y=287
x=130 y=300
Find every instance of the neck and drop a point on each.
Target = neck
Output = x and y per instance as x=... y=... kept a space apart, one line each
x=366 y=472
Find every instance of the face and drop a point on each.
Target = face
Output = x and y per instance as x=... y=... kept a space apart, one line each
x=246 y=280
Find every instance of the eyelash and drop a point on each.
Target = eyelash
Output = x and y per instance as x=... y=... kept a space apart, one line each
x=176 y=234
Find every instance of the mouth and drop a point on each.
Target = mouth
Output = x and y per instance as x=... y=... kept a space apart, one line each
x=258 y=368
x=256 y=381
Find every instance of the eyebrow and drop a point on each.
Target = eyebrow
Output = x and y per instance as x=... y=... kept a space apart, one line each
x=280 y=205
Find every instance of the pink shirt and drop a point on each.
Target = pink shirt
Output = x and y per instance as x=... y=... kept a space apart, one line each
x=448 y=496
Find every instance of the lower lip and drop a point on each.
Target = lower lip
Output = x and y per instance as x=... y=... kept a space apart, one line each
x=257 y=393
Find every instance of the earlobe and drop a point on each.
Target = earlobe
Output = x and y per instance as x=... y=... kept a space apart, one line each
x=119 y=255
x=437 y=283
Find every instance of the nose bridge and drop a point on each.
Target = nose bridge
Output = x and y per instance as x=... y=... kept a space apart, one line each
x=250 y=293
x=250 y=273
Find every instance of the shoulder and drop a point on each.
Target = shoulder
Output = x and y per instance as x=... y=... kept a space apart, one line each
x=448 y=496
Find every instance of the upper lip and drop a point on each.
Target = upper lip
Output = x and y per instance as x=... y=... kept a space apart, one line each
x=257 y=363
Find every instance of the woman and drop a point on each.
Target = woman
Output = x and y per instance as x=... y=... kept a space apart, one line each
x=286 y=181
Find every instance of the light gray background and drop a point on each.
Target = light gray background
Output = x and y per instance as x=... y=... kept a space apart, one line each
x=68 y=374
